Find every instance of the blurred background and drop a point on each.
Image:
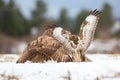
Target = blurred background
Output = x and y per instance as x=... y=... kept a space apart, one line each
x=22 y=21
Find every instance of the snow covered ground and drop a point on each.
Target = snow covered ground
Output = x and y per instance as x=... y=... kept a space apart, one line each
x=102 y=67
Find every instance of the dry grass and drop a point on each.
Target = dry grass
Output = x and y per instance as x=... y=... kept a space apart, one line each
x=114 y=55
x=1 y=55
x=9 y=77
x=8 y=57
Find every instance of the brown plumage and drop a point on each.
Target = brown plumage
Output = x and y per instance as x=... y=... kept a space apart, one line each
x=45 y=48
x=60 y=45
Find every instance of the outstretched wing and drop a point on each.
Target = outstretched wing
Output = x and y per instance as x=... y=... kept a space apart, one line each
x=88 y=27
x=74 y=42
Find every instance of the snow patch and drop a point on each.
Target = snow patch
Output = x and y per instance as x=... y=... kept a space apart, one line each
x=102 y=67
x=61 y=71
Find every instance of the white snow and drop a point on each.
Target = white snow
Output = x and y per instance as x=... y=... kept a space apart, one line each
x=103 y=67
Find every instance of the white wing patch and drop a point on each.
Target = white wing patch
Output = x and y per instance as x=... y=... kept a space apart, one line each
x=57 y=32
x=64 y=39
x=91 y=18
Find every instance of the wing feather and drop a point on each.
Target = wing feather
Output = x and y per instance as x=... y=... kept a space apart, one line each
x=88 y=27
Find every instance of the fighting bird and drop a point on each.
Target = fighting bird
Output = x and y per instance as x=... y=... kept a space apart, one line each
x=61 y=45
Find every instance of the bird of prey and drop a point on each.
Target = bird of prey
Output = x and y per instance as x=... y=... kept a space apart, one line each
x=61 y=45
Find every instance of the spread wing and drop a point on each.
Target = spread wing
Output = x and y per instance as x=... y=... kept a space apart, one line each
x=74 y=42
x=88 y=27
x=43 y=49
